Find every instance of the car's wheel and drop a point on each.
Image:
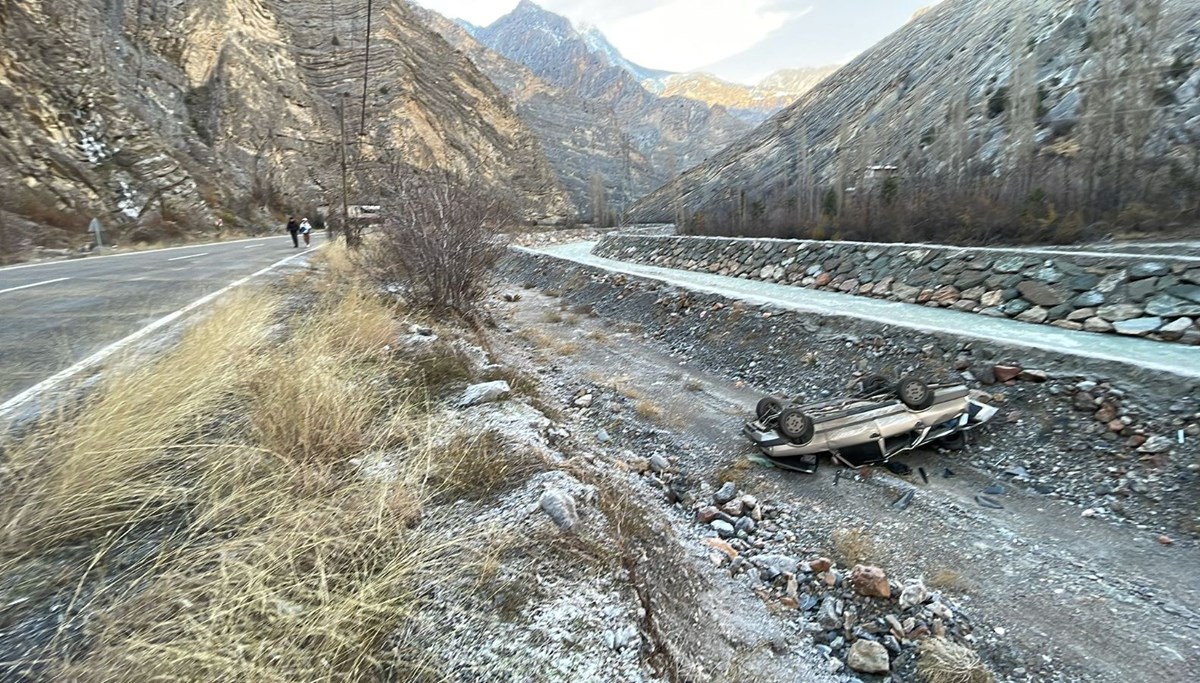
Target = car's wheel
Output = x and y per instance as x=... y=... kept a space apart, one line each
x=914 y=393
x=874 y=384
x=795 y=425
x=768 y=407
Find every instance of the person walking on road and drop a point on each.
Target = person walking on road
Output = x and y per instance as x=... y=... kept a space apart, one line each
x=306 y=230
x=294 y=229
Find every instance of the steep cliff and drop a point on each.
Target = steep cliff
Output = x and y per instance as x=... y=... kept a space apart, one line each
x=753 y=104
x=1091 y=104
x=651 y=137
x=161 y=116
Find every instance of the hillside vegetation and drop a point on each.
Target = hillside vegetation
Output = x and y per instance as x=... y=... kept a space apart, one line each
x=1031 y=121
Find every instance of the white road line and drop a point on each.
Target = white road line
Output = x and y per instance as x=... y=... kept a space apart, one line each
x=184 y=258
x=36 y=284
x=89 y=259
x=103 y=354
x=254 y=246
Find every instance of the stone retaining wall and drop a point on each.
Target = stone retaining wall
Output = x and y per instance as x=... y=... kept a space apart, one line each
x=1137 y=296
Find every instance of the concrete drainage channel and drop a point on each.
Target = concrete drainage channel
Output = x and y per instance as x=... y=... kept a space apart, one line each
x=1107 y=449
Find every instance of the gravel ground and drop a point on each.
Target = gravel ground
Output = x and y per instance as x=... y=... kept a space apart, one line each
x=1095 y=538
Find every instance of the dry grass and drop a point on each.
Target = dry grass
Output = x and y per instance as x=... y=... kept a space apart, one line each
x=481 y=465
x=693 y=385
x=950 y=580
x=598 y=336
x=649 y=410
x=199 y=516
x=943 y=661
x=737 y=472
x=853 y=546
x=569 y=348
x=552 y=317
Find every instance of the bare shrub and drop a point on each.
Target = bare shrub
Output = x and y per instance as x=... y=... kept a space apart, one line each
x=853 y=546
x=440 y=241
x=944 y=661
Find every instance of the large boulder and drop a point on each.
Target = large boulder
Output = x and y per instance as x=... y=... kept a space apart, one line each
x=870 y=581
x=868 y=657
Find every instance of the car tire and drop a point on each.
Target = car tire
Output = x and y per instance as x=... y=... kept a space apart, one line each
x=872 y=385
x=914 y=393
x=795 y=425
x=767 y=407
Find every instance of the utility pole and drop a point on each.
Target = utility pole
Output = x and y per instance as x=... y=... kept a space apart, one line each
x=362 y=130
x=345 y=189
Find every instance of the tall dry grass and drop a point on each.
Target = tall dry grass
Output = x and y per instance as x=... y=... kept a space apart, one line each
x=200 y=517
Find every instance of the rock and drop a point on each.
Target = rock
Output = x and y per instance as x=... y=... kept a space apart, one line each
x=488 y=392
x=1166 y=306
x=1081 y=314
x=1040 y=294
x=1037 y=314
x=745 y=525
x=734 y=508
x=659 y=463
x=707 y=515
x=1082 y=283
x=1149 y=269
x=1016 y=307
x=772 y=567
x=945 y=295
x=726 y=493
x=1157 y=444
x=724 y=529
x=1110 y=283
x=1009 y=264
x=1097 y=324
x=560 y=507
x=992 y=299
x=602 y=436
x=1006 y=373
x=1138 y=326
x=870 y=581
x=749 y=502
x=1117 y=312
x=1173 y=331
x=1088 y=300
x=1035 y=376
x=1166 y=540
x=868 y=657
x=913 y=594
x=830 y=615
x=1187 y=292
x=1140 y=290
x=821 y=564
x=584 y=401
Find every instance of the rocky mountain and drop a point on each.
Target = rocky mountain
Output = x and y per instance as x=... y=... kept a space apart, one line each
x=754 y=104
x=580 y=138
x=608 y=113
x=161 y=116
x=1069 y=110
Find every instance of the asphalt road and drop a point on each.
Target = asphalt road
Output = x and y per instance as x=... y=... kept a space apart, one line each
x=53 y=315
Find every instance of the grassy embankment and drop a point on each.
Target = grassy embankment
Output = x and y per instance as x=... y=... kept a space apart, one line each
x=201 y=517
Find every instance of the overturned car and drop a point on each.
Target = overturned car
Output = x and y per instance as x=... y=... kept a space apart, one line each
x=880 y=422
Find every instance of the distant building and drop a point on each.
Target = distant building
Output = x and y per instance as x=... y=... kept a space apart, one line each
x=874 y=173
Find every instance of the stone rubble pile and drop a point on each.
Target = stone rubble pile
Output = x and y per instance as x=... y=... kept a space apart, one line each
x=858 y=617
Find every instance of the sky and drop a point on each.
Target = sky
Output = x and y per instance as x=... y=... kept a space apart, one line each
x=738 y=40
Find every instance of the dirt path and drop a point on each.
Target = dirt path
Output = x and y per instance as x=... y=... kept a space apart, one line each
x=1054 y=595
